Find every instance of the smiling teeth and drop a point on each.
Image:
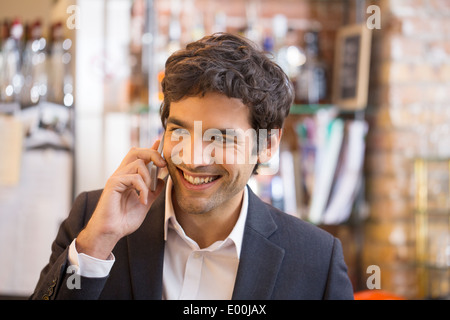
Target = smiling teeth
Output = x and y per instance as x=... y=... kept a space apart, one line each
x=197 y=180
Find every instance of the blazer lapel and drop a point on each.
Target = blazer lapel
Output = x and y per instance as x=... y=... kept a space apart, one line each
x=146 y=253
x=260 y=258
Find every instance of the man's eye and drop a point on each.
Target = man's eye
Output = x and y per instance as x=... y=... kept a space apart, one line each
x=217 y=138
x=179 y=132
x=213 y=136
x=224 y=141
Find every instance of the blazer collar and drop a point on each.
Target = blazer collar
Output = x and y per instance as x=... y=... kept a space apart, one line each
x=260 y=257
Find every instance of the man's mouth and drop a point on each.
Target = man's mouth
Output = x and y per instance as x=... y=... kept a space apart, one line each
x=198 y=179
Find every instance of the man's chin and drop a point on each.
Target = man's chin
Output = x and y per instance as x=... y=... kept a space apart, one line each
x=191 y=205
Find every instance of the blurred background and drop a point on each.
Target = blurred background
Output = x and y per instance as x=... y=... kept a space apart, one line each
x=365 y=152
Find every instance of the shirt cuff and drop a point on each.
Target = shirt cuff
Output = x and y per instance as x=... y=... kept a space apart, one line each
x=88 y=266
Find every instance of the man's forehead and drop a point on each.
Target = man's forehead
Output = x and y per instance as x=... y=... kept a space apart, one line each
x=212 y=100
x=213 y=110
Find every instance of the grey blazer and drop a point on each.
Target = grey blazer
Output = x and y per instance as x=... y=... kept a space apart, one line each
x=282 y=258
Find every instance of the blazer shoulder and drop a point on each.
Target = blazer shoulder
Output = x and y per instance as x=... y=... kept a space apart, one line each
x=84 y=204
x=283 y=228
x=53 y=274
x=316 y=253
x=82 y=209
x=298 y=228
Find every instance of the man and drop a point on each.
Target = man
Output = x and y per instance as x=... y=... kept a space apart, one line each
x=202 y=234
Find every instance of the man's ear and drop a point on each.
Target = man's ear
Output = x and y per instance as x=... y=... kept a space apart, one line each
x=269 y=148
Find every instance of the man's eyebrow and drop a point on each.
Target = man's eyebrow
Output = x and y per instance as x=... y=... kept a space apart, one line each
x=228 y=131
x=177 y=122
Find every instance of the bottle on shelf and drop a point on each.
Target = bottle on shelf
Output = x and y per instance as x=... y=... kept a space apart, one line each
x=268 y=44
x=4 y=34
x=11 y=76
x=277 y=192
x=291 y=57
x=34 y=66
x=60 y=80
x=25 y=99
x=138 y=81
x=311 y=86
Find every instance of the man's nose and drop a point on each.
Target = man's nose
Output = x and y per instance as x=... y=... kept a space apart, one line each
x=201 y=152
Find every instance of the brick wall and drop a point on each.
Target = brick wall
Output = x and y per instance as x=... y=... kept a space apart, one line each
x=409 y=114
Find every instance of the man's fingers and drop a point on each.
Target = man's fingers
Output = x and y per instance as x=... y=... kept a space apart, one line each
x=131 y=181
x=133 y=172
x=138 y=166
x=145 y=154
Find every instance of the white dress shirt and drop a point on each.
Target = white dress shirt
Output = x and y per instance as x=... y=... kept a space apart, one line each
x=188 y=271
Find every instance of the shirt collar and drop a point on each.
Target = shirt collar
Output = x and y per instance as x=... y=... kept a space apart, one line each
x=236 y=234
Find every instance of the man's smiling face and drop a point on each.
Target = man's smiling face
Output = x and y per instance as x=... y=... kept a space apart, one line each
x=205 y=185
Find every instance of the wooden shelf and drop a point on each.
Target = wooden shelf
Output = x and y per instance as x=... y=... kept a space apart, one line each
x=307 y=109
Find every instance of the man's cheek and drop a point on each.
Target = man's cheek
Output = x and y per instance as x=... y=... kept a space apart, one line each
x=181 y=152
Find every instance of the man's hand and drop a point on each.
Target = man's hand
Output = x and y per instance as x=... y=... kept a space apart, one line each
x=123 y=204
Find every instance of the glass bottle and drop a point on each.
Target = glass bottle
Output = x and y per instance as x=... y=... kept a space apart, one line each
x=4 y=34
x=34 y=66
x=12 y=80
x=311 y=87
x=59 y=71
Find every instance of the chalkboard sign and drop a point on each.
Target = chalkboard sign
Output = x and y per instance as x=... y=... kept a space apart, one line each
x=352 y=65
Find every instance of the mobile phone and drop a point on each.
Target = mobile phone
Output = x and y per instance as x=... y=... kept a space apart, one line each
x=153 y=169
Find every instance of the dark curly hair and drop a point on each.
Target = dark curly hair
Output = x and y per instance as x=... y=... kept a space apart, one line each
x=232 y=65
